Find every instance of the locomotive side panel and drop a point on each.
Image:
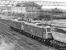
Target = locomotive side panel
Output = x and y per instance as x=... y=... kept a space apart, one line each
x=40 y=32
x=27 y=28
x=36 y=31
x=16 y=25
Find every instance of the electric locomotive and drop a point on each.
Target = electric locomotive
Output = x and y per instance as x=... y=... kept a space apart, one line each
x=39 y=31
x=35 y=29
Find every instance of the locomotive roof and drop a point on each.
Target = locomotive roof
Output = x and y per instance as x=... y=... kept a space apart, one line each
x=36 y=25
x=16 y=20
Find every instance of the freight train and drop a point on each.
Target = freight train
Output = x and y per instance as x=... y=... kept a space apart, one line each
x=39 y=31
x=43 y=31
x=35 y=28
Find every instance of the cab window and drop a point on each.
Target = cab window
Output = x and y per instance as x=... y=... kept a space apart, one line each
x=48 y=29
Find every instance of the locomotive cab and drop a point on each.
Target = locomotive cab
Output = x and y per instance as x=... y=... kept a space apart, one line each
x=48 y=32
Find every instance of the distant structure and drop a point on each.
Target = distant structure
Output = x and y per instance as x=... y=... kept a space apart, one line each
x=29 y=10
x=57 y=11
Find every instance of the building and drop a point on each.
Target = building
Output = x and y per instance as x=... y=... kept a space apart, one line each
x=29 y=9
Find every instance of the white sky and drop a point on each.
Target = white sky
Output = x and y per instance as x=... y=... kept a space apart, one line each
x=43 y=0
x=48 y=7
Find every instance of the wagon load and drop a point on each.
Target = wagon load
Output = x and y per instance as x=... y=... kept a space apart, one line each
x=59 y=34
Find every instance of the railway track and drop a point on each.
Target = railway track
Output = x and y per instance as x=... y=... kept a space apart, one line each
x=42 y=42
x=46 y=43
x=12 y=39
x=17 y=37
x=22 y=33
x=50 y=43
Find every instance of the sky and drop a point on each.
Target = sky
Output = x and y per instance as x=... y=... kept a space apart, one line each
x=43 y=0
x=49 y=7
x=36 y=0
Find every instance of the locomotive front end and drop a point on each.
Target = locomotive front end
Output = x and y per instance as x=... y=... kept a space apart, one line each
x=48 y=33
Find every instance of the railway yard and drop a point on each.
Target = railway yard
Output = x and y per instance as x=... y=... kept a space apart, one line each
x=28 y=26
x=22 y=41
